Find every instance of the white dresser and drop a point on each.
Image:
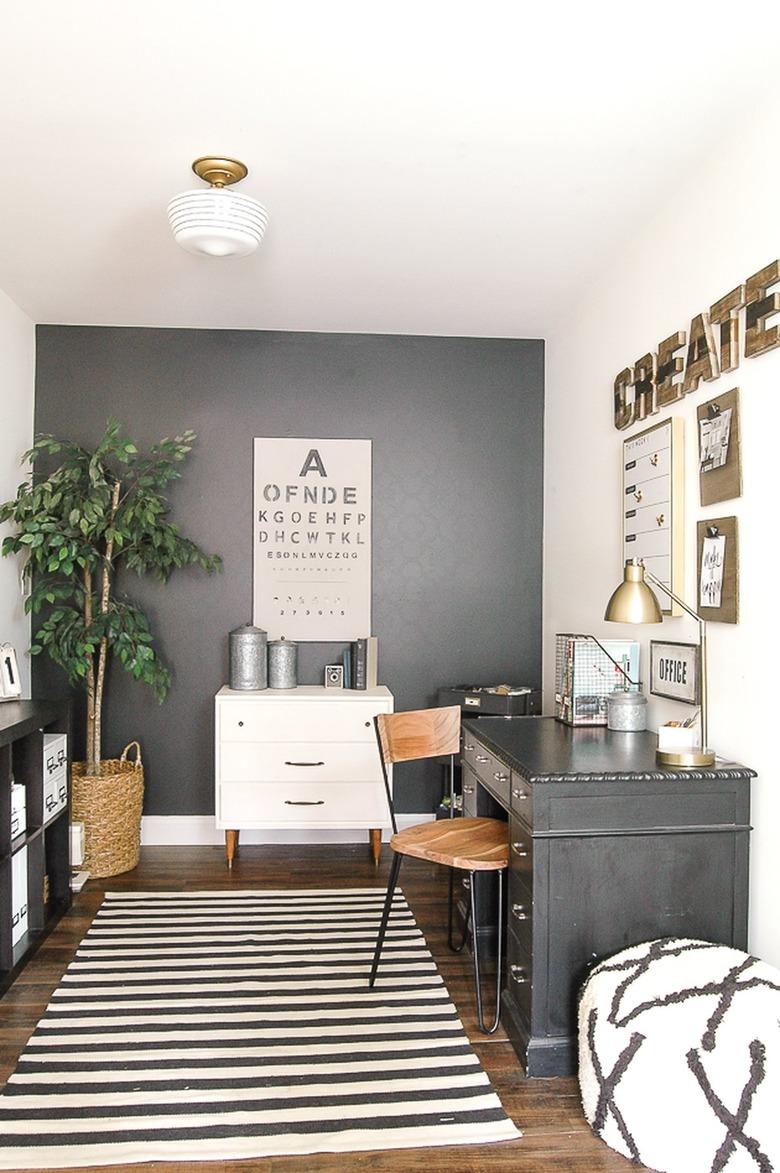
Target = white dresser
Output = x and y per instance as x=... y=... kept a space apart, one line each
x=303 y=758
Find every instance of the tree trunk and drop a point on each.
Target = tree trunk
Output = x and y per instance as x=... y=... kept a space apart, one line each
x=90 y=747
x=105 y=595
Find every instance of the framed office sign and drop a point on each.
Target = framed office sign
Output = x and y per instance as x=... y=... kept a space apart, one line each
x=312 y=538
x=675 y=671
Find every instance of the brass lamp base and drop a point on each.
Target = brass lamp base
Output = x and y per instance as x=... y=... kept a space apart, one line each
x=685 y=759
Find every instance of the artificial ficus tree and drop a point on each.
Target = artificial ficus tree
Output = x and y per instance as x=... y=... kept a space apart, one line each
x=97 y=511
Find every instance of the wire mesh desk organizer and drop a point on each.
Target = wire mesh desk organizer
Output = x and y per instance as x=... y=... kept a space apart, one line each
x=587 y=671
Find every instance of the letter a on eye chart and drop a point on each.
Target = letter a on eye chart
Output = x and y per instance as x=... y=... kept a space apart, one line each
x=312 y=538
x=713 y=556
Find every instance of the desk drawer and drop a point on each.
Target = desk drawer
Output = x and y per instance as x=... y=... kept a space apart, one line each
x=522 y=799
x=301 y=761
x=521 y=852
x=304 y=804
x=492 y=772
x=519 y=982
x=296 y=721
x=469 y=790
x=520 y=912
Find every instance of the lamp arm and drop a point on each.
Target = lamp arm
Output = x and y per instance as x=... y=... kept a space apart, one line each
x=702 y=645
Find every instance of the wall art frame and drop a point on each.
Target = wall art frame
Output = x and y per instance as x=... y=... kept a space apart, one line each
x=653 y=475
x=675 y=671
x=720 y=456
x=726 y=529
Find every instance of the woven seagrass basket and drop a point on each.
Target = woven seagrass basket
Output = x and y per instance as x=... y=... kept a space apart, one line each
x=109 y=804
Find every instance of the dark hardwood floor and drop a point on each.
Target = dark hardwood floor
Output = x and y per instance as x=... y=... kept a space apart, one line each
x=555 y=1134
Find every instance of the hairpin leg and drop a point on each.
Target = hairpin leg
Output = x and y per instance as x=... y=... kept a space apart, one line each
x=395 y=868
x=488 y=1030
x=450 y=909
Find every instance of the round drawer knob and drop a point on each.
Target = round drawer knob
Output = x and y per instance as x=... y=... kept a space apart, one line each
x=520 y=911
x=241 y=724
x=468 y=789
x=501 y=777
x=368 y=724
x=521 y=794
x=519 y=849
x=519 y=974
x=468 y=748
x=482 y=758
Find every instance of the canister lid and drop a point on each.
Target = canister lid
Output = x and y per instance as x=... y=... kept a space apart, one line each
x=623 y=696
x=247 y=629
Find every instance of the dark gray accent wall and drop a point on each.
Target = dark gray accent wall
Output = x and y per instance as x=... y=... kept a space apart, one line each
x=456 y=425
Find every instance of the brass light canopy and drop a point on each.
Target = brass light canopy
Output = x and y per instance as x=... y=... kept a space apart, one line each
x=635 y=602
x=220 y=171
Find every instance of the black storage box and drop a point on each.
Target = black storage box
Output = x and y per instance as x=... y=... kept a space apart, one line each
x=476 y=700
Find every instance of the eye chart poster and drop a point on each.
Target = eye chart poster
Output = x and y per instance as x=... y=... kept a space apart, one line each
x=312 y=538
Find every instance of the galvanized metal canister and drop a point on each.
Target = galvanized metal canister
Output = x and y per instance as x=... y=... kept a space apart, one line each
x=282 y=664
x=248 y=658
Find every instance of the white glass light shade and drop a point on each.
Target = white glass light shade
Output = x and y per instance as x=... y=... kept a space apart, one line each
x=217 y=222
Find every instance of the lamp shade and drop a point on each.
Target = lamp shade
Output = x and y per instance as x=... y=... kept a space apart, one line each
x=633 y=601
x=216 y=222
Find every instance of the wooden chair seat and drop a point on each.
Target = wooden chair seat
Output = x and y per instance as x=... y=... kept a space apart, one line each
x=469 y=844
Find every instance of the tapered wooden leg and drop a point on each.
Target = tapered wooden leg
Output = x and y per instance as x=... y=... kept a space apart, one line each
x=375 y=839
x=231 y=846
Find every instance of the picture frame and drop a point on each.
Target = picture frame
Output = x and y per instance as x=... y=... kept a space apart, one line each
x=675 y=671
x=10 y=683
x=652 y=504
x=720 y=456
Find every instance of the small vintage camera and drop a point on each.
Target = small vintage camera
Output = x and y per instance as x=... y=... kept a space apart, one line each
x=334 y=675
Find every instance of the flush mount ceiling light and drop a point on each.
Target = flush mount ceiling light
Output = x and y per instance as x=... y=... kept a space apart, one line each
x=216 y=222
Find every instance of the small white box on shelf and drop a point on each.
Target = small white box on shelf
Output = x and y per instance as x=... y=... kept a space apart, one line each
x=55 y=774
x=19 y=915
x=18 y=810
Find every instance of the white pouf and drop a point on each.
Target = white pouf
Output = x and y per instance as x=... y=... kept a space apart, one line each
x=679 y=1050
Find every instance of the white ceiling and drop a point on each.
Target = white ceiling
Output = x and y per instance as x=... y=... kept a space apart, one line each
x=428 y=167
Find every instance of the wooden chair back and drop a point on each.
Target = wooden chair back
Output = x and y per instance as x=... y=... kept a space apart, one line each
x=422 y=733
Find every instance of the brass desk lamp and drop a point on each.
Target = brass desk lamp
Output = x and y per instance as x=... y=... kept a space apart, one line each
x=635 y=602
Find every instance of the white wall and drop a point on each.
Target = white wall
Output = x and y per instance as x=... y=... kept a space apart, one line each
x=714 y=232
x=17 y=372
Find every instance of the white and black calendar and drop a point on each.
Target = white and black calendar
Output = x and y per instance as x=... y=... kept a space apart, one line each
x=312 y=538
x=653 y=503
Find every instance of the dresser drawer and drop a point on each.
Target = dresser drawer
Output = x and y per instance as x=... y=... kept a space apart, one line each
x=297 y=721
x=309 y=804
x=261 y=761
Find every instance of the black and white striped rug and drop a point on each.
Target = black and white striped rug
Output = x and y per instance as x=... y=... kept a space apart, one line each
x=225 y=1025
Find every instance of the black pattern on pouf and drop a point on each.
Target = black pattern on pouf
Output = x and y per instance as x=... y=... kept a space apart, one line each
x=679 y=1048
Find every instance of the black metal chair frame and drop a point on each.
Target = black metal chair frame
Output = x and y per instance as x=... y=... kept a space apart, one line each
x=471 y=911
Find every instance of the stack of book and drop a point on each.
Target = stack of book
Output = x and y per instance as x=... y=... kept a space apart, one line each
x=360 y=663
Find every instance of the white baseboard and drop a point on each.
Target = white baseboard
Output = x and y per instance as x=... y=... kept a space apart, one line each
x=200 y=831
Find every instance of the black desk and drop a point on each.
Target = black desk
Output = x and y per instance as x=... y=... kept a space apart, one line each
x=607 y=850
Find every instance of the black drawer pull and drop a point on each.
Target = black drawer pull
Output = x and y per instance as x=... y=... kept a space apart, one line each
x=304 y=763
x=501 y=777
x=519 y=974
x=520 y=912
x=521 y=794
x=520 y=850
x=481 y=758
x=303 y=802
